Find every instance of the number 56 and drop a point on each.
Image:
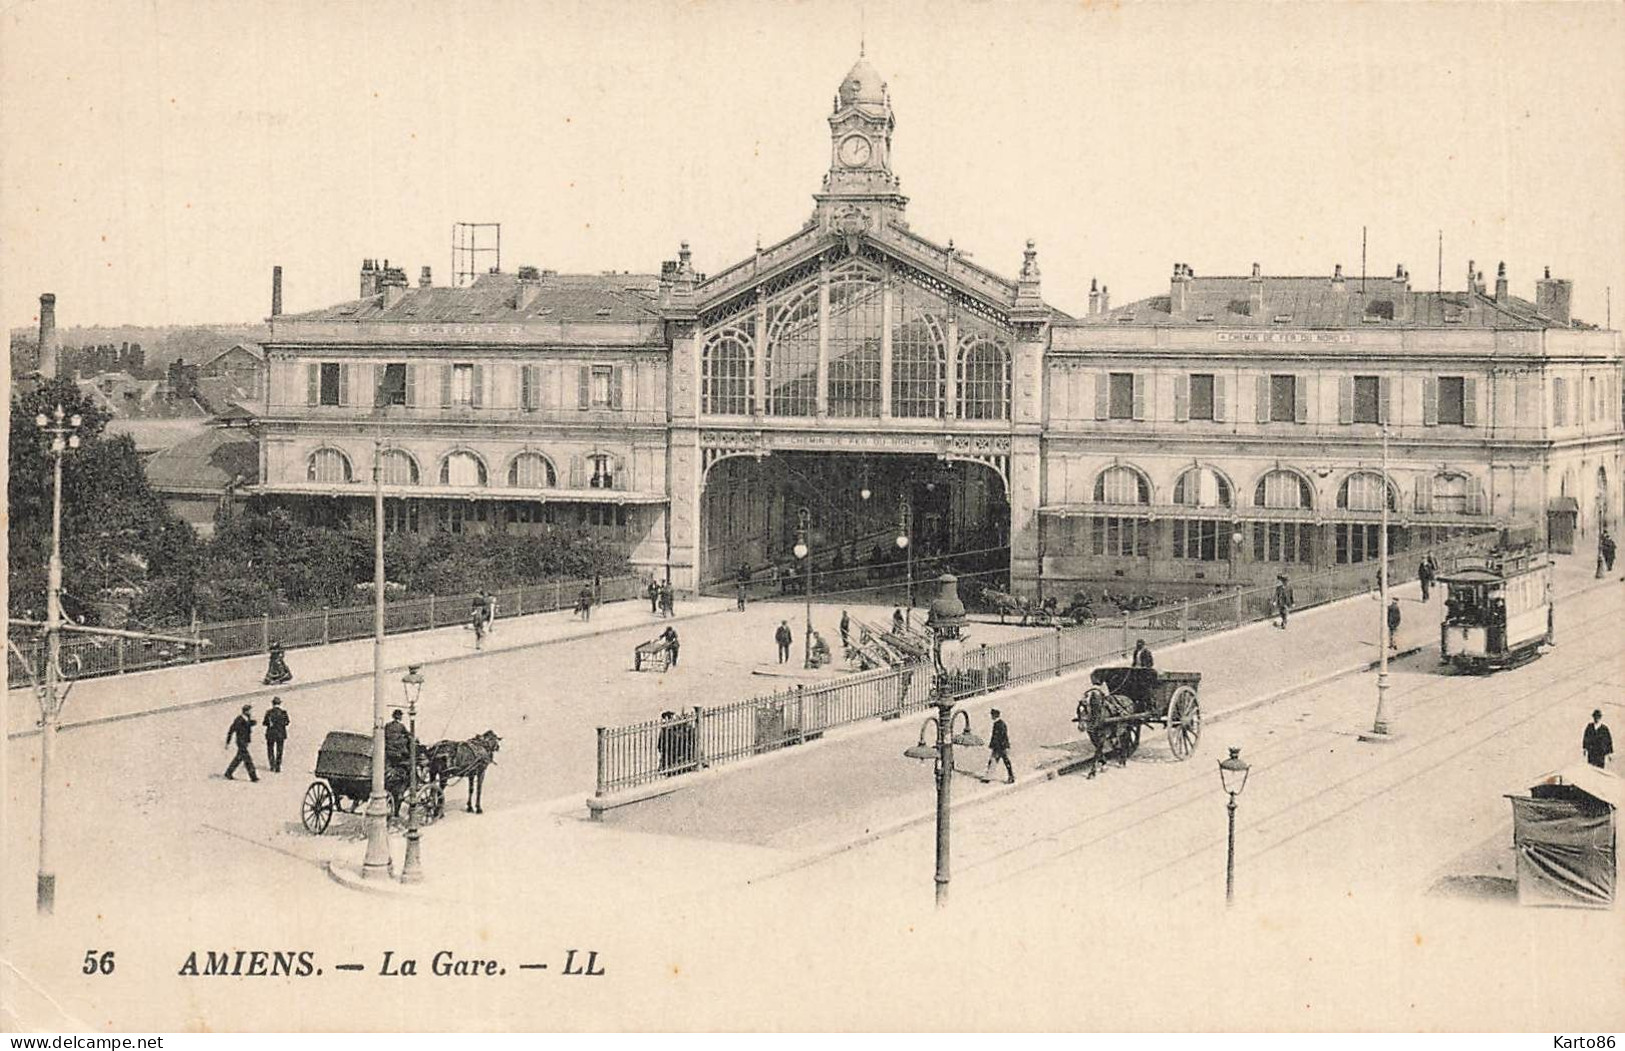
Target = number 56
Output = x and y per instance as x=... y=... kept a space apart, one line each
x=95 y=964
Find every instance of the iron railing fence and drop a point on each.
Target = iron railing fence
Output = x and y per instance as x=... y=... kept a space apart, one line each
x=90 y=656
x=644 y=753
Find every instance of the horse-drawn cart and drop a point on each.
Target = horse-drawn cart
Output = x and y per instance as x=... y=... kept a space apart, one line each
x=1122 y=701
x=344 y=775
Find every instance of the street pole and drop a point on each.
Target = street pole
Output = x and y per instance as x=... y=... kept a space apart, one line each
x=412 y=864
x=62 y=439
x=1230 y=856
x=803 y=551
x=945 y=774
x=378 y=863
x=1379 y=727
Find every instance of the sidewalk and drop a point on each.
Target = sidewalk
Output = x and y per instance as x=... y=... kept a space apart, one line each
x=112 y=697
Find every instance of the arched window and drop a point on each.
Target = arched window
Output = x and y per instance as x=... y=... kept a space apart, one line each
x=792 y=357
x=984 y=379
x=399 y=468
x=855 y=323
x=329 y=465
x=1122 y=485
x=726 y=379
x=918 y=366
x=1363 y=492
x=531 y=471
x=462 y=468
x=1202 y=487
x=1284 y=490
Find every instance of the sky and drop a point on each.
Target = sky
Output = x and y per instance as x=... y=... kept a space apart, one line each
x=161 y=157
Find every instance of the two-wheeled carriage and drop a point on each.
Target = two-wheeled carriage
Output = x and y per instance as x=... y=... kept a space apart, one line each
x=344 y=776
x=1121 y=702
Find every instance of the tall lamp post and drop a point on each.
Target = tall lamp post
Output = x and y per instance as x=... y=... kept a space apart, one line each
x=943 y=752
x=1379 y=726
x=804 y=553
x=378 y=862
x=412 y=865
x=63 y=430
x=1233 y=776
x=905 y=540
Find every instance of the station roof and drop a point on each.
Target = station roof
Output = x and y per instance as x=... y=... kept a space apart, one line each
x=579 y=298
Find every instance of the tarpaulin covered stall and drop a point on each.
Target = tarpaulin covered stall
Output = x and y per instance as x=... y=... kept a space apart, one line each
x=1563 y=832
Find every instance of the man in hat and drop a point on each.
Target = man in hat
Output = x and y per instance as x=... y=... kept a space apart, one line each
x=783 y=637
x=1142 y=655
x=1283 y=599
x=1597 y=742
x=1393 y=623
x=242 y=732
x=998 y=750
x=276 y=733
x=397 y=741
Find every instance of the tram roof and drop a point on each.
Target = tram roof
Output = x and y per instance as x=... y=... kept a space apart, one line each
x=1471 y=576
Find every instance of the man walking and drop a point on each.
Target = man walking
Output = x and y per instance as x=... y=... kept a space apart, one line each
x=783 y=637
x=846 y=632
x=1393 y=624
x=1597 y=742
x=668 y=600
x=276 y=732
x=654 y=596
x=672 y=645
x=490 y=611
x=744 y=583
x=998 y=750
x=476 y=621
x=897 y=622
x=1142 y=655
x=242 y=732
x=1424 y=576
x=1283 y=599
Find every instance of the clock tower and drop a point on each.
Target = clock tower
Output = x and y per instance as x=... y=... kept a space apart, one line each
x=860 y=193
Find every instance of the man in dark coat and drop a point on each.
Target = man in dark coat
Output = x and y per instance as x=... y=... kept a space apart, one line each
x=744 y=584
x=397 y=741
x=276 y=733
x=846 y=631
x=783 y=637
x=1597 y=742
x=654 y=596
x=1393 y=623
x=998 y=750
x=672 y=645
x=1283 y=599
x=1424 y=576
x=242 y=732
x=1142 y=655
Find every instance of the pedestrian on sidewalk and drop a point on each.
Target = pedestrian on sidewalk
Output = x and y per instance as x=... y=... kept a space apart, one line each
x=998 y=750
x=672 y=645
x=276 y=671
x=744 y=584
x=242 y=732
x=1142 y=655
x=276 y=733
x=584 y=603
x=783 y=637
x=476 y=621
x=1597 y=742
x=668 y=600
x=490 y=611
x=1608 y=550
x=1283 y=599
x=654 y=596
x=897 y=622
x=846 y=632
x=1424 y=576
x=1393 y=623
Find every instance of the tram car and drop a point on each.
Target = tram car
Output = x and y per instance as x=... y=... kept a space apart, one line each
x=1497 y=614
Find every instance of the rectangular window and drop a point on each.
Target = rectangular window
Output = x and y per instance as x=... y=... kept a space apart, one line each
x=1202 y=396
x=1367 y=398
x=331 y=371
x=1283 y=399
x=392 y=385
x=1113 y=536
x=1451 y=400
x=1362 y=542
x=1122 y=396
x=1202 y=541
x=602 y=377
x=1282 y=541
x=462 y=384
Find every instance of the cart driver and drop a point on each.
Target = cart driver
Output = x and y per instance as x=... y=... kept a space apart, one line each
x=397 y=741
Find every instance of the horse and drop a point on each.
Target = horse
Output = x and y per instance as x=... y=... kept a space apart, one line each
x=1115 y=740
x=454 y=759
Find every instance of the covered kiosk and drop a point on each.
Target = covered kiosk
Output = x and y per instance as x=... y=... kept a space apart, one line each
x=1564 y=835
x=1562 y=518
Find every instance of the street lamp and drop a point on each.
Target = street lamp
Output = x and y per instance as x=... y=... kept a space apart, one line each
x=378 y=863
x=1379 y=726
x=63 y=430
x=1233 y=776
x=803 y=552
x=905 y=541
x=943 y=753
x=412 y=866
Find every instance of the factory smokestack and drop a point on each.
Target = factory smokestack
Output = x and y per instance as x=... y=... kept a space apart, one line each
x=47 y=335
x=276 y=291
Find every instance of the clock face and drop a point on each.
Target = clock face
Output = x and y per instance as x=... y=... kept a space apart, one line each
x=855 y=151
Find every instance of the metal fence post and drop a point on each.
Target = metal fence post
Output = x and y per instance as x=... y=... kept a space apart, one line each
x=599 y=790
x=431 y=611
x=1238 y=609
x=1125 y=631
x=121 y=655
x=984 y=668
x=558 y=594
x=265 y=632
x=699 y=737
x=325 y=626
x=801 y=714
x=1185 y=620
x=196 y=649
x=1057 y=649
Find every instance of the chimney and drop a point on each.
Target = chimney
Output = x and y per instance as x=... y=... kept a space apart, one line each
x=1179 y=290
x=1472 y=280
x=391 y=281
x=530 y=286
x=1402 y=293
x=1094 y=297
x=369 y=279
x=1552 y=297
x=1501 y=284
x=1105 y=299
x=424 y=278
x=48 y=344
x=276 y=291
x=1255 y=292
x=1337 y=275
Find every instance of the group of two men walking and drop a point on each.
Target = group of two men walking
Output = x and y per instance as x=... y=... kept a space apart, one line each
x=241 y=733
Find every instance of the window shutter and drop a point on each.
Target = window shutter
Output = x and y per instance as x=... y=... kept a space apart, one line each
x=412 y=384
x=577 y=473
x=344 y=385
x=378 y=397
x=1182 y=397
x=1557 y=401
x=313 y=384
x=1345 y=399
x=1141 y=382
x=1430 y=402
x=583 y=387
x=1263 y=387
x=1475 y=497
x=1103 y=390
x=1424 y=494
x=1469 y=402
x=1221 y=408
x=527 y=387
x=619 y=466
x=1385 y=390
x=1300 y=398
x=616 y=379
x=445 y=385
x=477 y=385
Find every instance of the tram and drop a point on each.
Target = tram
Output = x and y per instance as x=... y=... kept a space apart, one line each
x=1497 y=614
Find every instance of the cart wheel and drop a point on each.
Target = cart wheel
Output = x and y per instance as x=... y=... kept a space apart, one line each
x=1184 y=722
x=317 y=809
